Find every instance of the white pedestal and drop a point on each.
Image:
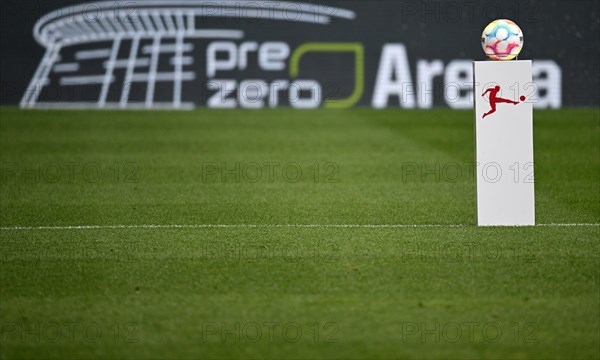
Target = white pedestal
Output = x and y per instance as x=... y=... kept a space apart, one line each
x=504 y=142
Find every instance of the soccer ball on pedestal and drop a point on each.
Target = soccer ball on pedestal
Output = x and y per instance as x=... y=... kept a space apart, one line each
x=502 y=40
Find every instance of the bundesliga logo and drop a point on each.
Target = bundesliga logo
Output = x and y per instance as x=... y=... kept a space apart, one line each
x=495 y=99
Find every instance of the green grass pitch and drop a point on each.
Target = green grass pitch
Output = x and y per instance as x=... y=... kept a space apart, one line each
x=279 y=283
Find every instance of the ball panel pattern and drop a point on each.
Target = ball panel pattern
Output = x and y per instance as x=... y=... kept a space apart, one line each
x=502 y=40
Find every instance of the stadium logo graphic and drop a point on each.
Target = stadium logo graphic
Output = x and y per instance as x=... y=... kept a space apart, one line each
x=146 y=54
x=179 y=54
x=494 y=99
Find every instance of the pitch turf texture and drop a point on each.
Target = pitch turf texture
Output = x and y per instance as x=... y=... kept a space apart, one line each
x=265 y=291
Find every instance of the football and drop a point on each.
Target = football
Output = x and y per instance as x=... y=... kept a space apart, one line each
x=502 y=40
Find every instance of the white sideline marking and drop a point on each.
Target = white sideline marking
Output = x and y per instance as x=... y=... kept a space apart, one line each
x=267 y=226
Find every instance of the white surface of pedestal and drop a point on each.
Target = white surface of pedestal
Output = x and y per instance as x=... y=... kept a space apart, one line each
x=504 y=96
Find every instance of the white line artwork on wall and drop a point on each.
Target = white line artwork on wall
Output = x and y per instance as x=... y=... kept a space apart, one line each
x=113 y=26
